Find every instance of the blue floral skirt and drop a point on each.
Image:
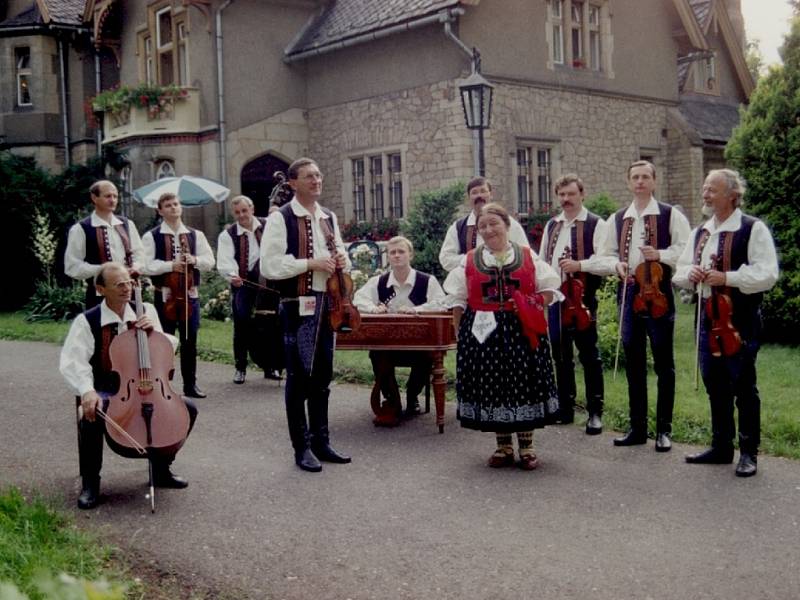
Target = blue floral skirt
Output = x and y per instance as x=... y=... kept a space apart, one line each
x=502 y=384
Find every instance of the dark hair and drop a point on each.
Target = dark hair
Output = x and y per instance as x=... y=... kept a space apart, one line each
x=164 y=197
x=294 y=169
x=565 y=180
x=642 y=163
x=477 y=181
x=493 y=208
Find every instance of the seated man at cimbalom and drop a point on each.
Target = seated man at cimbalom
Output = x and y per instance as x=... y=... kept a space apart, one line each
x=402 y=289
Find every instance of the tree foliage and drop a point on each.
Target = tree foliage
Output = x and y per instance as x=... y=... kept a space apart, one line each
x=765 y=148
x=427 y=224
x=24 y=187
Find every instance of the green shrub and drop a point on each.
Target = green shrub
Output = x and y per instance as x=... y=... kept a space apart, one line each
x=215 y=297
x=427 y=224
x=51 y=302
x=602 y=204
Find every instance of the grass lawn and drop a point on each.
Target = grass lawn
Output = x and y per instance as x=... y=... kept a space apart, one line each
x=780 y=413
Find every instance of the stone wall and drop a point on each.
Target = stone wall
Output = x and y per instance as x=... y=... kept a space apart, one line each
x=686 y=174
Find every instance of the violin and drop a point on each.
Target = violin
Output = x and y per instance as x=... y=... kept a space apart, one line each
x=574 y=313
x=650 y=299
x=723 y=337
x=146 y=408
x=178 y=306
x=342 y=314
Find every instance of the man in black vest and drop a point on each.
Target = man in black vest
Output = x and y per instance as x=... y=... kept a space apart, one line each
x=731 y=254
x=86 y=366
x=294 y=253
x=570 y=243
x=400 y=290
x=99 y=238
x=462 y=236
x=163 y=253
x=652 y=231
x=238 y=250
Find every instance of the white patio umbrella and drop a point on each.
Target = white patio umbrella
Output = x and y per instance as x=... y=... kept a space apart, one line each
x=193 y=191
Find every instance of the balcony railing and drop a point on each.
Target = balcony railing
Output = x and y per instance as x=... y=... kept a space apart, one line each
x=176 y=117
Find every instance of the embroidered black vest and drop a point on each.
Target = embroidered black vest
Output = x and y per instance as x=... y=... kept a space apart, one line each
x=161 y=240
x=467 y=235
x=95 y=255
x=418 y=295
x=732 y=249
x=239 y=256
x=663 y=240
x=298 y=241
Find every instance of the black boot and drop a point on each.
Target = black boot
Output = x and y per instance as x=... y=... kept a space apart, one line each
x=748 y=464
x=163 y=477
x=306 y=460
x=634 y=437
x=712 y=456
x=319 y=436
x=90 y=493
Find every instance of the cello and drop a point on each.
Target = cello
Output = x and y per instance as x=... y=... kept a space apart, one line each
x=146 y=415
x=574 y=313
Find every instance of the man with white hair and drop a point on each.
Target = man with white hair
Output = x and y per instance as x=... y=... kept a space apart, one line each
x=730 y=261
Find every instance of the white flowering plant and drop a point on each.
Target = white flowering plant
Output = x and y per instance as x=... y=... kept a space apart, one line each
x=218 y=307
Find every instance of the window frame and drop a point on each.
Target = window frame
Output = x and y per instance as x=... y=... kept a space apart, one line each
x=591 y=51
x=165 y=60
x=375 y=196
x=532 y=179
x=23 y=73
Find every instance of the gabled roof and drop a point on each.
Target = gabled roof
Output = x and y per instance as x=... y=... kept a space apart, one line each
x=712 y=120
x=702 y=12
x=341 y=20
x=67 y=13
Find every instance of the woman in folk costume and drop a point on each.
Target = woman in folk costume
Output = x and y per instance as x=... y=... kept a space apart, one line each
x=505 y=382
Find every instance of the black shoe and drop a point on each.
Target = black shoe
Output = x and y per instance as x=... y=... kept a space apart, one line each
x=327 y=454
x=273 y=374
x=194 y=392
x=307 y=461
x=565 y=417
x=748 y=465
x=663 y=442
x=167 y=479
x=632 y=438
x=412 y=409
x=90 y=496
x=594 y=426
x=239 y=376
x=711 y=456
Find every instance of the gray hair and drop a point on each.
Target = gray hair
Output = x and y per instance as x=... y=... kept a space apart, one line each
x=733 y=181
x=239 y=199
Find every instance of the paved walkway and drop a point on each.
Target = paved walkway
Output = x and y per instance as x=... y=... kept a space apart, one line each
x=417 y=514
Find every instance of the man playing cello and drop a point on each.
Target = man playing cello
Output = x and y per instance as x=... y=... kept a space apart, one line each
x=85 y=364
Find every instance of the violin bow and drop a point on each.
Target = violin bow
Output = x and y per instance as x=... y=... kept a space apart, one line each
x=699 y=291
x=624 y=297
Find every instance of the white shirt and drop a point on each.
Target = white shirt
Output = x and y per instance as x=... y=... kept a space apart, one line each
x=75 y=264
x=594 y=264
x=79 y=345
x=678 y=230
x=152 y=266
x=226 y=263
x=759 y=275
x=450 y=255
x=547 y=280
x=366 y=298
x=277 y=264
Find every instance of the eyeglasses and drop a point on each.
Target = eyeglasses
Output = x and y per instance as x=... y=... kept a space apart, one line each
x=121 y=285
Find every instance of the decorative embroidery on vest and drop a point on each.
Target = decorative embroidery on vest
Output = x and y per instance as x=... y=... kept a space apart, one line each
x=472 y=237
x=700 y=245
x=244 y=254
x=306 y=241
x=578 y=245
x=555 y=232
x=625 y=237
x=651 y=230
x=126 y=244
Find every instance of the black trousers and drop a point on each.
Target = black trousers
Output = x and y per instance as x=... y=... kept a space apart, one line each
x=730 y=380
x=90 y=444
x=258 y=336
x=561 y=342
x=187 y=337
x=308 y=347
x=636 y=330
x=421 y=365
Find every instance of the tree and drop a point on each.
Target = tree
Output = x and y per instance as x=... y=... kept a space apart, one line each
x=754 y=58
x=427 y=224
x=765 y=148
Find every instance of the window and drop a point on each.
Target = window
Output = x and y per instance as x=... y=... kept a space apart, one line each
x=165 y=168
x=380 y=175
x=534 y=175
x=705 y=75
x=23 y=68
x=164 y=46
x=183 y=56
x=588 y=34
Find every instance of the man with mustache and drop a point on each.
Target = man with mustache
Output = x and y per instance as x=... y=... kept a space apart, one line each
x=570 y=244
x=462 y=236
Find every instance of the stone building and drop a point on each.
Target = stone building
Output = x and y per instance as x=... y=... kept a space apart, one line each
x=370 y=89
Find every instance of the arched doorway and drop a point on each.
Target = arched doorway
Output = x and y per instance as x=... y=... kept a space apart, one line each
x=257 y=181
